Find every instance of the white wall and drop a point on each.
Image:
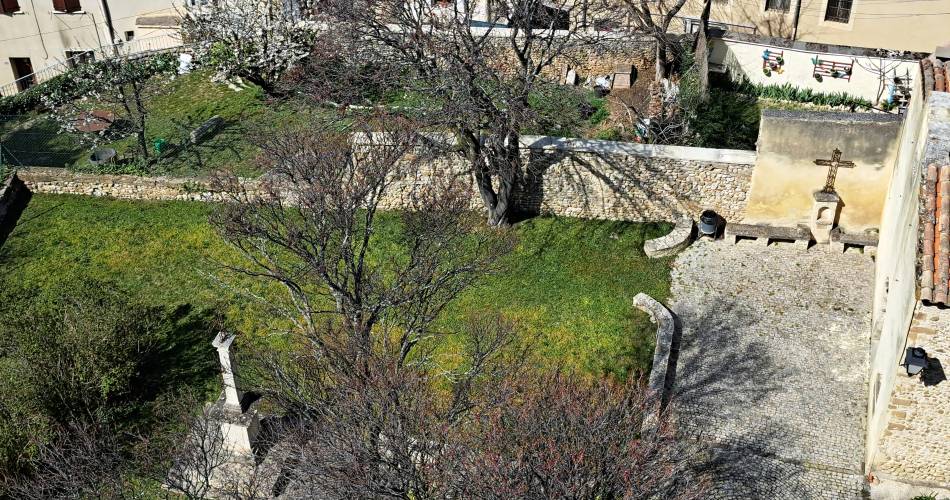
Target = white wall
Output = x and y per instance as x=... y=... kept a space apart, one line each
x=44 y=36
x=745 y=58
x=895 y=288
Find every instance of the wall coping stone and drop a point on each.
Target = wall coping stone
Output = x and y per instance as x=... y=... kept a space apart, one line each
x=663 y=318
x=826 y=48
x=827 y=116
x=679 y=238
x=737 y=156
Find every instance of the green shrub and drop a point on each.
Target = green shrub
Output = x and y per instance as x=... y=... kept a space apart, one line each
x=610 y=134
x=85 y=354
x=564 y=111
x=789 y=92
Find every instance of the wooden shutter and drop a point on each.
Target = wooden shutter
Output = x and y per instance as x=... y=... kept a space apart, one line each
x=9 y=6
x=72 y=5
x=59 y=5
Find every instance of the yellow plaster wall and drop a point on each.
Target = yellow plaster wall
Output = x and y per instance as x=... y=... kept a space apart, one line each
x=786 y=177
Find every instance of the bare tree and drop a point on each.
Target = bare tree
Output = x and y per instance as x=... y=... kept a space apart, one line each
x=106 y=99
x=198 y=455
x=654 y=17
x=311 y=226
x=84 y=460
x=562 y=436
x=374 y=406
x=475 y=81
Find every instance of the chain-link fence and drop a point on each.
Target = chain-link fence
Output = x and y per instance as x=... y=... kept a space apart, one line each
x=37 y=141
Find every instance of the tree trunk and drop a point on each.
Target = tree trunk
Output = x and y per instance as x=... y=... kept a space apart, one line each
x=701 y=52
x=497 y=175
x=496 y=164
x=660 y=60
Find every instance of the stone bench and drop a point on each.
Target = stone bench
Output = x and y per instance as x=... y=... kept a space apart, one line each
x=678 y=239
x=801 y=235
x=841 y=240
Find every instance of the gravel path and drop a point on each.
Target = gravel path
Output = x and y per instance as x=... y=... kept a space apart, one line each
x=773 y=366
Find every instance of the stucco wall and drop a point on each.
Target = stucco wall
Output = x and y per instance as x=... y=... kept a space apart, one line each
x=743 y=57
x=925 y=137
x=577 y=178
x=786 y=177
x=44 y=36
x=914 y=26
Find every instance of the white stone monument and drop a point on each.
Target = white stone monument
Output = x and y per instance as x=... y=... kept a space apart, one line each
x=239 y=425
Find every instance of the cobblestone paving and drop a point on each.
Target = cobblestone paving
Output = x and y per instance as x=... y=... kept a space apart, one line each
x=916 y=443
x=773 y=365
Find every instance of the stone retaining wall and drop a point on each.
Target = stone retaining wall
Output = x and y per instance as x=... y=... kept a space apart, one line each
x=577 y=178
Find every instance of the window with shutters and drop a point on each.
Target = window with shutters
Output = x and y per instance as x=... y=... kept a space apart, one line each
x=777 y=5
x=66 y=5
x=9 y=6
x=838 y=11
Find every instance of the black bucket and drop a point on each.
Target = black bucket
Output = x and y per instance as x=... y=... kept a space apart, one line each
x=708 y=223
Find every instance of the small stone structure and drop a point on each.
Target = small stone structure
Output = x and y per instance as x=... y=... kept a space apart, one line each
x=665 y=330
x=239 y=425
x=205 y=129
x=678 y=239
x=764 y=234
x=782 y=191
x=823 y=215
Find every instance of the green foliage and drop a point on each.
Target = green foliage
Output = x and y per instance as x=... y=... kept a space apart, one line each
x=569 y=286
x=726 y=120
x=610 y=134
x=564 y=111
x=789 y=92
x=93 y=78
x=925 y=497
x=85 y=353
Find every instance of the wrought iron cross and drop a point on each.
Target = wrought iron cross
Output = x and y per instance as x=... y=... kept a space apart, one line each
x=833 y=165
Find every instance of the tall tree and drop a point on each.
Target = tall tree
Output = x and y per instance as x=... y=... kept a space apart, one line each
x=107 y=98
x=473 y=67
x=654 y=17
x=252 y=39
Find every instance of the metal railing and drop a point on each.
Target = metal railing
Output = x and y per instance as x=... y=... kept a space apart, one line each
x=142 y=47
x=692 y=24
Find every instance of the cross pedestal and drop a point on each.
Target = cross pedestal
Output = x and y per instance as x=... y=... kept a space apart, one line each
x=239 y=427
x=824 y=212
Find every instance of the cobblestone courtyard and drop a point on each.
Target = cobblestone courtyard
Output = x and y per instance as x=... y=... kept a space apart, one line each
x=773 y=365
x=917 y=440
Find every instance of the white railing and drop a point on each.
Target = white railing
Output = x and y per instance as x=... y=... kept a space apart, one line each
x=144 y=46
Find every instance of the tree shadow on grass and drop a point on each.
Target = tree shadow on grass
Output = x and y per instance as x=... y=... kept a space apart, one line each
x=186 y=360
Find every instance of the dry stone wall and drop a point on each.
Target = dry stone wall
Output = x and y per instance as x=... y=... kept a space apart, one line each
x=576 y=178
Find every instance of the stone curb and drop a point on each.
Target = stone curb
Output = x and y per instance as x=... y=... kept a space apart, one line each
x=663 y=318
x=677 y=240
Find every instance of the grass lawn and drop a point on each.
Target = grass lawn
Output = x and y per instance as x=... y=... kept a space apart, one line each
x=569 y=284
x=184 y=103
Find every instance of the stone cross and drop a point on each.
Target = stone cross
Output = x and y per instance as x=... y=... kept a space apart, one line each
x=833 y=165
x=222 y=342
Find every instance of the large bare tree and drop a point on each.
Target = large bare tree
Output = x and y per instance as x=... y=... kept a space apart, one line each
x=473 y=65
x=654 y=17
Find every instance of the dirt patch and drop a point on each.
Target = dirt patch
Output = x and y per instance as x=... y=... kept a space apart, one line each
x=625 y=104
